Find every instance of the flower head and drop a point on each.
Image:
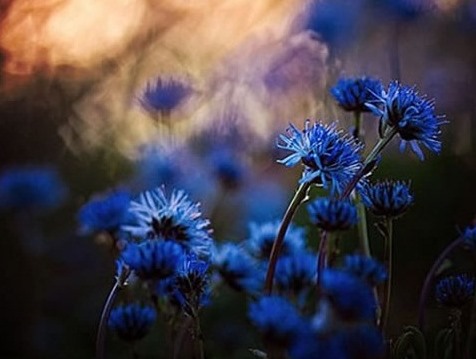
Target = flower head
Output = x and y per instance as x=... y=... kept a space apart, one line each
x=175 y=218
x=105 y=213
x=352 y=298
x=132 y=322
x=30 y=188
x=263 y=235
x=238 y=269
x=332 y=214
x=352 y=93
x=330 y=157
x=455 y=291
x=296 y=272
x=164 y=95
x=387 y=199
x=411 y=116
x=153 y=259
x=276 y=319
x=365 y=268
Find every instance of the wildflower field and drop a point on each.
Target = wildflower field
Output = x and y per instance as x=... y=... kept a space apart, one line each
x=238 y=179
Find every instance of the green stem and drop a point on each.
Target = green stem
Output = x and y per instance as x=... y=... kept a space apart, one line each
x=389 y=263
x=321 y=257
x=362 y=228
x=296 y=201
x=357 y=124
x=198 y=338
x=456 y=324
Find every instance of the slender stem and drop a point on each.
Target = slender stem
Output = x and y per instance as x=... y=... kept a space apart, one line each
x=296 y=201
x=362 y=228
x=388 y=288
x=104 y=318
x=181 y=336
x=198 y=338
x=470 y=351
x=132 y=351
x=429 y=277
x=456 y=324
x=321 y=257
x=357 y=125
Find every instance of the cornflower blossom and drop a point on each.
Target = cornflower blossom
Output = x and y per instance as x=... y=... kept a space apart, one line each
x=132 y=322
x=238 y=269
x=276 y=319
x=387 y=199
x=332 y=214
x=351 y=298
x=164 y=95
x=263 y=235
x=31 y=188
x=365 y=268
x=352 y=94
x=455 y=291
x=105 y=213
x=296 y=272
x=330 y=157
x=153 y=215
x=411 y=116
x=151 y=260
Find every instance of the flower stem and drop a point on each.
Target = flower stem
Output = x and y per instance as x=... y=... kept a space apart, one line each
x=470 y=351
x=321 y=257
x=357 y=125
x=198 y=338
x=389 y=263
x=296 y=201
x=362 y=228
x=426 y=285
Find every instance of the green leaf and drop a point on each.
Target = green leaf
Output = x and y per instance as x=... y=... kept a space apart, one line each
x=444 y=344
x=410 y=345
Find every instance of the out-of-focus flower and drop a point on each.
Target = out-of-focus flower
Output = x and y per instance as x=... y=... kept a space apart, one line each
x=174 y=218
x=332 y=214
x=296 y=272
x=412 y=116
x=405 y=10
x=387 y=199
x=132 y=322
x=31 y=189
x=227 y=167
x=263 y=235
x=238 y=269
x=153 y=259
x=276 y=319
x=351 y=297
x=352 y=93
x=330 y=157
x=469 y=236
x=105 y=213
x=365 y=268
x=164 y=95
x=455 y=291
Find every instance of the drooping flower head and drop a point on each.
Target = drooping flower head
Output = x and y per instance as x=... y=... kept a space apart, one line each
x=455 y=291
x=276 y=319
x=105 y=213
x=330 y=157
x=238 y=269
x=31 y=188
x=153 y=259
x=132 y=322
x=411 y=116
x=351 y=297
x=263 y=235
x=332 y=214
x=365 y=268
x=296 y=272
x=164 y=95
x=352 y=93
x=387 y=199
x=176 y=218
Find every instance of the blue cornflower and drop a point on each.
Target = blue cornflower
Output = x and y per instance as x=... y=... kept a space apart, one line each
x=263 y=235
x=31 y=188
x=105 y=213
x=332 y=214
x=411 y=116
x=191 y=282
x=387 y=199
x=296 y=272
x=366 y=268
x=132 y=322
x=469 y=236
x=406 y=9
x=276 y=319
x=330 y=157
x=227 y=167
x=164 y=95
x=352 y=298
x=153 y=259
x=352 y=93
x=175 y=218
x=455 y=291
x=238 y=269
